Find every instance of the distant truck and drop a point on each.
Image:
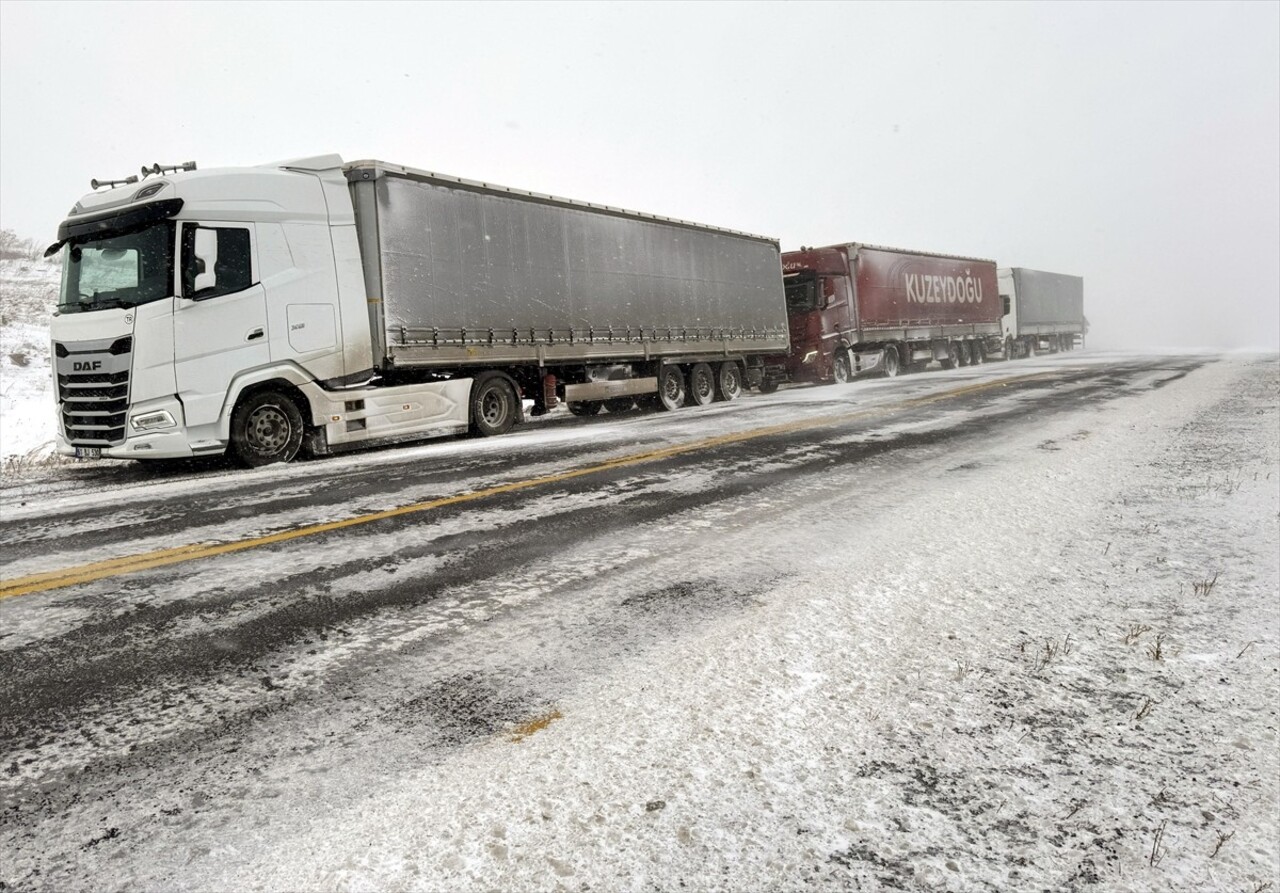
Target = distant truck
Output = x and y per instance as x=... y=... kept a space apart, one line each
x=314 y=305
x=1042 y=311
x=858 y=308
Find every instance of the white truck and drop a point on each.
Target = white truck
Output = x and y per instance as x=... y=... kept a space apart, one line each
x=1042 y=311
x=314 y=304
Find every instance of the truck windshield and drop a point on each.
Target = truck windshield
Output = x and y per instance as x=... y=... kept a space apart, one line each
x=118 y=269
x=802 y=293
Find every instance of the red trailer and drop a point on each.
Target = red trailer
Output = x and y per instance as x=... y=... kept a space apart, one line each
x=861 y=308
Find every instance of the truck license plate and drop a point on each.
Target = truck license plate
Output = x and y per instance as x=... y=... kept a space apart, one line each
x=88 y=452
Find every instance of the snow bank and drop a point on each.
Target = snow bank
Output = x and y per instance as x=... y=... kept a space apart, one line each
x=28 y=291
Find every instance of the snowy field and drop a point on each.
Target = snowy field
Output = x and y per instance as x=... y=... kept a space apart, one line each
x=28 y=293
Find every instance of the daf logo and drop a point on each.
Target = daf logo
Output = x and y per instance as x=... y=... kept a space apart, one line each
x=86 y=365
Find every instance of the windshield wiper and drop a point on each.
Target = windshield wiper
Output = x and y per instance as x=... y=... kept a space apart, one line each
x=109 y=303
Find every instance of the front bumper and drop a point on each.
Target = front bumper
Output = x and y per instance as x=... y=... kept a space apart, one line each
x=156 y=443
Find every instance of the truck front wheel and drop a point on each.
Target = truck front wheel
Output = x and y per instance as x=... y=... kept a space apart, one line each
x=494 y=405
x=266 y=427
x=841 y=369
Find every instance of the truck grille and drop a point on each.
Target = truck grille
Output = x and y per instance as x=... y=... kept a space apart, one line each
x=93 y=390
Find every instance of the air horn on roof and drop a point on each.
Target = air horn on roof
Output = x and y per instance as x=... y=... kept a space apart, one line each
x=94 y=184
x=159 y=168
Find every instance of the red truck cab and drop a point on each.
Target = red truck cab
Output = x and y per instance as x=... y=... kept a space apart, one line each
x=820 y=311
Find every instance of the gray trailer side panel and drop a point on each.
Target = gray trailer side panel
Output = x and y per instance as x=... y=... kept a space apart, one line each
x=471 y=275
x=1048 y=299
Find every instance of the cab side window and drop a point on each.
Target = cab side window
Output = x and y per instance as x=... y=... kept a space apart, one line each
x=215 y=260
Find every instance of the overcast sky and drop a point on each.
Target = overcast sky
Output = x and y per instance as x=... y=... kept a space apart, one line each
x=1136 y=145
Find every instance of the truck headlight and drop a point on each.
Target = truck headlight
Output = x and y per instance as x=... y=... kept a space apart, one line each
x=150 y=421
x=808 y=358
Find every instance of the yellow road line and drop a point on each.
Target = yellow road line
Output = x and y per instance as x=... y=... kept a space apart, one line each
x=72 y=576
x=533 y=726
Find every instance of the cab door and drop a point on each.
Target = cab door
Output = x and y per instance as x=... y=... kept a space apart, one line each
x=220 y=321
x=838 y=317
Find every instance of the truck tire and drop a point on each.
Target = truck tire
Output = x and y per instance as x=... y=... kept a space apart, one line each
x=494 y=405
x=266 y=427
x=953 y=357
x=620 y=404
x=671 y=388
x=702 y=385
x=768 y=386
x=1008 y=348
x=891 y=365
x=979 y=353
x=841 y=370
x=966 y=353
x=729 y=381
x=586 y=407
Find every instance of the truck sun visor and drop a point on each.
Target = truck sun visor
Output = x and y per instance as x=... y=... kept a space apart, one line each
x=115 y=221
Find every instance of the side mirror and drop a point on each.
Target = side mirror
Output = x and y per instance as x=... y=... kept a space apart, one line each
x=205 y=260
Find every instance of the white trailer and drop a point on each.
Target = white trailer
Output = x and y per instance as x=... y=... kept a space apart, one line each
x=1042 y=311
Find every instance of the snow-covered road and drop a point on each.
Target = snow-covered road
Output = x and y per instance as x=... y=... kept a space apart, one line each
x=1016 y=626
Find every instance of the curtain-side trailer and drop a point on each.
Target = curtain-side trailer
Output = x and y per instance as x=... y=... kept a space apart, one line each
x=857 y=308
x=1042 y=311
x=321 y=304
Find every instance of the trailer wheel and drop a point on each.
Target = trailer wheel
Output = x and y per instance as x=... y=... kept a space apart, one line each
x=953 y=357
x=979 y=353
x=840 y=367
x=966 y=353
x=891 y=365
x=729 y=381
x=620 y=404
x=266 y=427
x=702 y=385
x=494 y=406
x=671 y=389
x=585 y=407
